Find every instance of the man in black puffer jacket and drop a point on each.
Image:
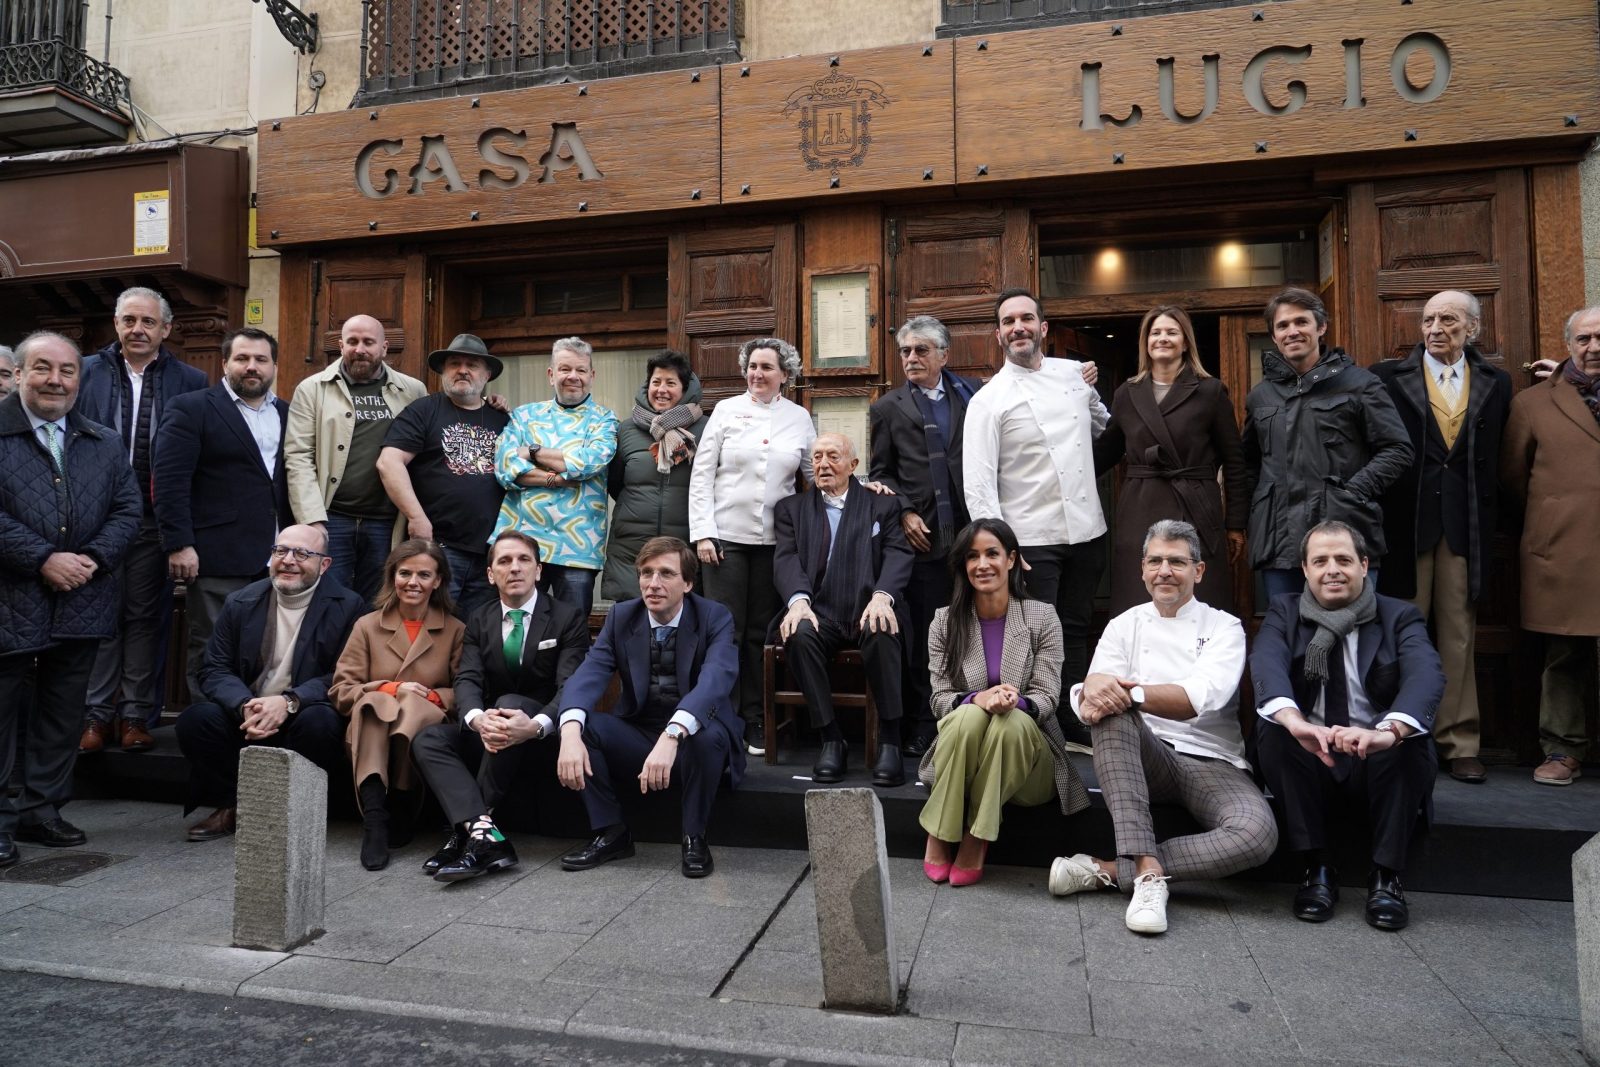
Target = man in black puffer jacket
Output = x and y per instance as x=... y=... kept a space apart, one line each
x=1322 y=440
x=68 y=511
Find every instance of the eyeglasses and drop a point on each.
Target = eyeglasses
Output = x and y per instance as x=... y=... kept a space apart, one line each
x=1177 y=563
x=299 y=554
x=921 y=350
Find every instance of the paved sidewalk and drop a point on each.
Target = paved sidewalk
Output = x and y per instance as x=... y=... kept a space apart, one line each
x=999 y=973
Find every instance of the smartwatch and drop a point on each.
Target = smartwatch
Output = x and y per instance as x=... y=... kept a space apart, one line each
x=1136 y=694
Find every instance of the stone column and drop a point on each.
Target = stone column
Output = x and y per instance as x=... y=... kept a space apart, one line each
x=1586 y=921
x=855 y=926
x=278 y=876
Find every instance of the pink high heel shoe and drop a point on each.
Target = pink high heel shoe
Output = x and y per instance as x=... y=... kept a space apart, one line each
x=936 y=872
x=969 y=876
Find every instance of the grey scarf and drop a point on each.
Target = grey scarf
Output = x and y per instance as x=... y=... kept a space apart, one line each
x=1333 y=625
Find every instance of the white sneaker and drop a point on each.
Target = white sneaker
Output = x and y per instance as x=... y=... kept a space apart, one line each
x=1147 y=911
x=1075 y=874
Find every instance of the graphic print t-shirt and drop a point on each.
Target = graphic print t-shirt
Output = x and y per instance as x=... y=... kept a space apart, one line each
x=360 y=493
x=453 y=472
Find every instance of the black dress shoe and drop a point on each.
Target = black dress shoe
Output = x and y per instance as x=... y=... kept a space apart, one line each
x=481 y=855
x=830 y=766
x=1386 y=901
x=1317 y=894
x=919 y=744
x=890 y=770
x=448 y=854
x=696 y=857
x=8 y=851
x=57 y=833
x=613 y=844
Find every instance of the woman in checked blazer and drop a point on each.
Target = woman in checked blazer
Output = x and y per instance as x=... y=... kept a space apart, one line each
x=995 y=664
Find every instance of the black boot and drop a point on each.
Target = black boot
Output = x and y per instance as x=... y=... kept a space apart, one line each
x=374 y=823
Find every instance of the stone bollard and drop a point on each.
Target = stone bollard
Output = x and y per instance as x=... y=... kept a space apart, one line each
x=278 y=878
x=1586 y=920
x=855 y=925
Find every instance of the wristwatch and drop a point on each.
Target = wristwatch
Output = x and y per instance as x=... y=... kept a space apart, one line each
x=1136 y=694
x=1389 y=726
x=676 y=731
x=291 y=703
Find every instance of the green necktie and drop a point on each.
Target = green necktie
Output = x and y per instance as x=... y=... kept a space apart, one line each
x=514 y=641
x=53 y=443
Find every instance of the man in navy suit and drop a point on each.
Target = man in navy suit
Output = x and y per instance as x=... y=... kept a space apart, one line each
x=841 y=565
x=265 y=676
x=916 y=452
x=518 y=652
x=1347 y=684
x=675 y=719
x=220 y=490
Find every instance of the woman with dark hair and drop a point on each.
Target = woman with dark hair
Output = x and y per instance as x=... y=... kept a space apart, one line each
x=1176 y=425
x=754 y=446
x=994 y=658
x=649 y=476
x=393 y=679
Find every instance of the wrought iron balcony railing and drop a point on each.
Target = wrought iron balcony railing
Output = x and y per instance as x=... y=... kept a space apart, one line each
x=975 y=16
x=446 y=47
x=31 y=64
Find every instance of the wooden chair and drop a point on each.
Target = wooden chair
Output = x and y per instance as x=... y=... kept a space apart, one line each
x=772 y=657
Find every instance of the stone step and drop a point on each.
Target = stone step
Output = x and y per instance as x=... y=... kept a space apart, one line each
x=1508 y=838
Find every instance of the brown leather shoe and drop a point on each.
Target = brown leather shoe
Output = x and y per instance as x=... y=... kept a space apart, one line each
x=1558 y=770
x=1468 y=769
x=94 y=736
x=219 y=823
x=133 y=736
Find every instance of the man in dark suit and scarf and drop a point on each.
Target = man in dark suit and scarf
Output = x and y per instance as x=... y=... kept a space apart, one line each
x=841 y=565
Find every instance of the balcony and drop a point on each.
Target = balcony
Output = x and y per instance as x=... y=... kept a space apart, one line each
x=430 y=48
x=53 y=94
x=962 y=17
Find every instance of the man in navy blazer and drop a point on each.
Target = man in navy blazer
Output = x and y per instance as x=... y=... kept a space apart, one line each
x=841 y=565
x=518 y=652
x=265 y=676
x=916 y=453
x=220 y=490
x=1347 y=684
x=675 y=719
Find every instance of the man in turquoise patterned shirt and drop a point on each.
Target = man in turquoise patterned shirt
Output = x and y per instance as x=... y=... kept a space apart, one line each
x=552 y=460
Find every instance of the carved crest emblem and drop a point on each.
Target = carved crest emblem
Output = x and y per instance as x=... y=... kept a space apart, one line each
x=835 y=120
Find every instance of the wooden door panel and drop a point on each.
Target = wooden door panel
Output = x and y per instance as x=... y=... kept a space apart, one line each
x=727 y=287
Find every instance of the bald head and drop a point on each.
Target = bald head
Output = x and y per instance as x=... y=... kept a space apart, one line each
x=1449 y=320
x=293 y=575
x=362 y=346
x=833 y=460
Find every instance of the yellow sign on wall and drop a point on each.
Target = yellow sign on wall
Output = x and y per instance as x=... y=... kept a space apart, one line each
x=254 y=313
x=152 y=222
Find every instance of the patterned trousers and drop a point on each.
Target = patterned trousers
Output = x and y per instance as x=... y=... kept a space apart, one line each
x=1135 y=768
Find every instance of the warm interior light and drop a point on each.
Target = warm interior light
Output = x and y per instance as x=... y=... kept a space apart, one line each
x=1109 y=262
x=1230 y=255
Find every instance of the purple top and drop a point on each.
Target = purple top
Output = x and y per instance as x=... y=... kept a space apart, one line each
x=994 y=643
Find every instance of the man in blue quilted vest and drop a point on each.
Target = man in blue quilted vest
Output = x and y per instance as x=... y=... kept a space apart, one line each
x=69 y=508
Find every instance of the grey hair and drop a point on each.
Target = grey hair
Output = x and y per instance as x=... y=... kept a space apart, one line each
x=1593 y=309
x=1334 y=527
x=788 y=358
x=576 y=345
x=40 y=337
x=1174 y=530
x=139 y=291
x=1473 y=305
x=8 y=355
x=844 y=438
x=926 y=327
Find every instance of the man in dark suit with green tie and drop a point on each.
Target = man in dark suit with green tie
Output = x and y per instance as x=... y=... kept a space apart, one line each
x=518 y=652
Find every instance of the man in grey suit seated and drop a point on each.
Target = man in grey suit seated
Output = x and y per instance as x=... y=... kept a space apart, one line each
x=1161 y=701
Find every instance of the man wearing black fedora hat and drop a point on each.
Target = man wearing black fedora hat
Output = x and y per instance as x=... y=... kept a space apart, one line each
x=437 y=465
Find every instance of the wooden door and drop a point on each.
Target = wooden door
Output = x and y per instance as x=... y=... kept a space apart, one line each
x=729 y=286
x=319 y=293
x=951 y=263
x=1410 y=239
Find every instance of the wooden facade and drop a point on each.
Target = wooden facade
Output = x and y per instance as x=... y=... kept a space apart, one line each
x=1439 y=151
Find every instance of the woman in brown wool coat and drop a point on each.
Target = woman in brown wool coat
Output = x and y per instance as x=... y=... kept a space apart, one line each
x=393 y=679
x=1175 y=423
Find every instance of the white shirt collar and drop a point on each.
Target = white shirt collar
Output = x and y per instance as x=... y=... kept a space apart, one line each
x=937 y=392
x=672 y=622
x=266 y=400
x=1190 y=609
x=526 y=605
x=36 y=422
x=1437 y=367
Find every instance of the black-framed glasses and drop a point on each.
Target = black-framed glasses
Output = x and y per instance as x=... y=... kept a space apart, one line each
x=300 y=555
x=923 y=350
x=1177 y=563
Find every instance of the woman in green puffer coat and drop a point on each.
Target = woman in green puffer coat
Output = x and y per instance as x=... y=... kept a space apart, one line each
x=649 y=475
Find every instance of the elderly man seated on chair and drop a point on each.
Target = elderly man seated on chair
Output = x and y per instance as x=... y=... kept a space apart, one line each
x=1161 y=701
x=841 y=566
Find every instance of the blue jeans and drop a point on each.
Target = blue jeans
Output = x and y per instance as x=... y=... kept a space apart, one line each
x=359 y=548
x=469 y=580
x=570 y=585
x=1280 y=580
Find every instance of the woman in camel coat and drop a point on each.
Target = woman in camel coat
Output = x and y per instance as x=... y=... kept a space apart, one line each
x=393 y=679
